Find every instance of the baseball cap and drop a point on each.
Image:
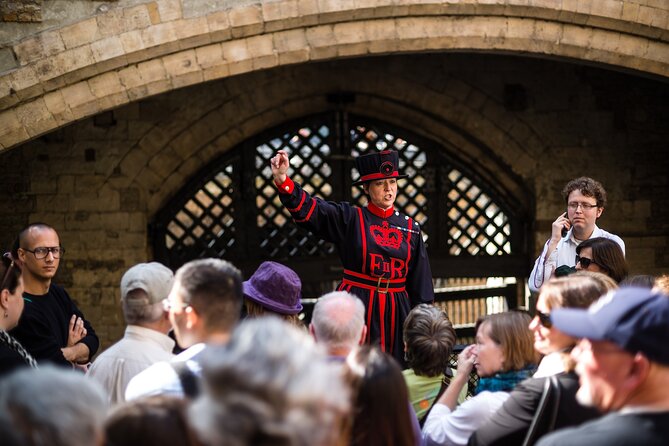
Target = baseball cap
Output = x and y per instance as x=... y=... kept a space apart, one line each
x=636 y=319
x=153 y=278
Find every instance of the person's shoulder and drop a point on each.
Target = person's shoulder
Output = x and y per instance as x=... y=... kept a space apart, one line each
x=159 y=378
x=59 y=292
x=609 y=235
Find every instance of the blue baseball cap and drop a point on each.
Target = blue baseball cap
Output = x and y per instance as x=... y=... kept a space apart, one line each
x=636 y=319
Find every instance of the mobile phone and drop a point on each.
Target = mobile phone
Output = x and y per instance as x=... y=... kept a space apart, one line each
x=565 y=230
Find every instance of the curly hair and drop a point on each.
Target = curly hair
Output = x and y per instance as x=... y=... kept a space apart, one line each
x=588 y=187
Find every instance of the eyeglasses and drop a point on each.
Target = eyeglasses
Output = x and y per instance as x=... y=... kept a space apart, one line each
x=584 y=261
x=585 y=206
x=544 y=319
x=9 y=264
x=42 y=252
x=168 y=305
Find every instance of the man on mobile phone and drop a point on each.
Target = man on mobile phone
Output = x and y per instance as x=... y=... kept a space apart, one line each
x=585 y=199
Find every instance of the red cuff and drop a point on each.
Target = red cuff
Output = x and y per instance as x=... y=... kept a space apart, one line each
x=286 y=187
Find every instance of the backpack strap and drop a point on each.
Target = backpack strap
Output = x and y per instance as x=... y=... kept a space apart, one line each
x=544 y=418
x=189 y=382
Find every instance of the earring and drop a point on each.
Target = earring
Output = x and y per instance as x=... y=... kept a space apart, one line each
x=6 y=314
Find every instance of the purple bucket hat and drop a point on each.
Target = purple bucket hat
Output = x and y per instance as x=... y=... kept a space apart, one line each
x=275 y=287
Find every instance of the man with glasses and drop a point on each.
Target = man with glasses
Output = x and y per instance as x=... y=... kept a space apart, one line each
x=51 y=328
x=623 y=365
x=204 y=306
x=585 y=199
x=144 y=287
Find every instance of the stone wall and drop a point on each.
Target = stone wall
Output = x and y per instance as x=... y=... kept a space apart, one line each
x=82 y=66
x=526 y=124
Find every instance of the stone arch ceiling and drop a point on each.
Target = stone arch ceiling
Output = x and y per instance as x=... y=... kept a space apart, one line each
x=129 y=53
x=449 y=113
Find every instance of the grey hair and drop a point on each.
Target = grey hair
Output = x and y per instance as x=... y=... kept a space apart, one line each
x=54 y=407
x=137 y=309
x=338 y=319
x=270 y=385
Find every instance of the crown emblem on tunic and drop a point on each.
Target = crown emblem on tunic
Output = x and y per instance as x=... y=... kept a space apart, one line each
x=386 y=236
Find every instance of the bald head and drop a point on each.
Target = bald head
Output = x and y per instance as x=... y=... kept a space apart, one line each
x=338 y=322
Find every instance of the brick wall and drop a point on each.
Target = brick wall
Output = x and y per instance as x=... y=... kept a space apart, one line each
x=527 y=124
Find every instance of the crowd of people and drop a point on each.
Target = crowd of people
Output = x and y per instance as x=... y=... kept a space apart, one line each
x=586 y=365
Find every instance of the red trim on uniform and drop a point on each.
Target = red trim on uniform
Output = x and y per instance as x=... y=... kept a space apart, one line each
x=382 y=314
x=299 y=206
x=353 y=283
x=364 y=239
x=409 y=232
x=378 y=176
x=373 y=278
x=369 y=315
x=313 y=206
x=392 y=322
x=286 y=187
x=381 y=213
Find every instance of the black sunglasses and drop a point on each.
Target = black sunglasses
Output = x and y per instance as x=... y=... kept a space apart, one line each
x=584 y=261
x=544 y=319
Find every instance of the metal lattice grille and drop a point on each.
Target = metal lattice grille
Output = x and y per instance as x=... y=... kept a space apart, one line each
x=204 y=225
x=231 y=208
x=411 y=199
x=477 y=224
x=308 y=150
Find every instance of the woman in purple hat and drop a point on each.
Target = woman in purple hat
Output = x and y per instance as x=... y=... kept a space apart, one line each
x=382 y=251
x=274 y=289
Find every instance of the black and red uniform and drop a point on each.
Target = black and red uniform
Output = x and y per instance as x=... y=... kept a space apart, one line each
x=384 y=259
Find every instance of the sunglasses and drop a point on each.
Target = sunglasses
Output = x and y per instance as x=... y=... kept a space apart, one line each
x=544 y=319
x=584 y=261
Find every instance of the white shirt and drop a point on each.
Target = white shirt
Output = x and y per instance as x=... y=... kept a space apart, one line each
x=551 y=364
x=139 y=348
x=444 y=427
x=161 y=378
x=564 y=254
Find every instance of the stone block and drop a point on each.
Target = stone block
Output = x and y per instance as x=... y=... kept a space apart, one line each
x=209 y=56
x=65 y=184
x=24 y=80
x=107 y=48
x=192 y=33
x=35 y=48
x=219 y=26
x=607 y=8
x=132 y=42
x=630 y=12
x=106 y=84
x=180 y=63
x=246 y=20
x=137 y=17
x=279 y=12
x=169 y=10
x=80 y=33
x=164 y=163
x=77 y=95
x=158 y=35
x=133 y=163
x=35 y=117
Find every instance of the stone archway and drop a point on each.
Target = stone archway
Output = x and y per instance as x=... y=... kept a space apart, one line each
x=127 y=54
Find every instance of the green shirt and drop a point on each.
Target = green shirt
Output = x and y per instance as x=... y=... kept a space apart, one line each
x=423 y=390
